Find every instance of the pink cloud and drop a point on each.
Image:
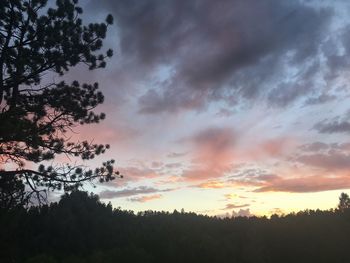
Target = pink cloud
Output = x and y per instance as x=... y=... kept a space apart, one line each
x=217 y=152
x=146 y=198
x=305 y=184
x=212 y=153
x=104 y=133
x=134 y=173
x=276 y=147
x=333 y=160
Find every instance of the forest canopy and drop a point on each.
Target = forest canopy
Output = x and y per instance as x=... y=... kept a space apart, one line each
x=80 y=228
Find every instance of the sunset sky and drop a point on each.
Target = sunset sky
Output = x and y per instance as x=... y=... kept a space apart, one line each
x=228 y=106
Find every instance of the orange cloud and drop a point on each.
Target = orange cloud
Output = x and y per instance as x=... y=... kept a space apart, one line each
x=233 y=196
x=212 y=185
x=228 y=184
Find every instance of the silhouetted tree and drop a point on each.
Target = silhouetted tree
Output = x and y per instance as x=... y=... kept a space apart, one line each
x=35 y=114
x=344 y=202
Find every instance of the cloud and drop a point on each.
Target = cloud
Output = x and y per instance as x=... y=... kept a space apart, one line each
x=252 y=175
x=338 y=124
x=223 y=112
x=322 y=98
x=204 y=51
x=109 y=194
x=214 y=139
x=212 y=153
x=306 y=184
x=242 y=212
x=275 y=147
x=212 y=185
x=252 y=178
x=335 y=126
x=326 y=157
x=333 y=160
x=176 y=155
x=264 y=181
x=135 y=173
x=314 y=147
x=234 y=206
x=234 y=196
x=146 y=198
x=157 y=164
x=173 y=165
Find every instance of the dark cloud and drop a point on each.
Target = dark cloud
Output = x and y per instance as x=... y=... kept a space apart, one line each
x=338 y=61
x=323 y=98
x=108 y=194
x=335 y=126
x=338 y=124
x=234 y=206
x=220 y=50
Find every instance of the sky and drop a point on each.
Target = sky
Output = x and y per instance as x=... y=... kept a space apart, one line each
x=227 y=107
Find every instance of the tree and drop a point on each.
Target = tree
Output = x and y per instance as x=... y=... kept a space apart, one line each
x=344 y=202
x=35 y=114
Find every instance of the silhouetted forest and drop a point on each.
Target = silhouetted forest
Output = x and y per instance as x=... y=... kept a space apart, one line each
x=80 y=228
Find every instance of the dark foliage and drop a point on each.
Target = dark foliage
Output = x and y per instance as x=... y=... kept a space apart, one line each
x=81 y=229
x=35 y=113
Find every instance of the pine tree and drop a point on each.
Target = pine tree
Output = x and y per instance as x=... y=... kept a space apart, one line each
x=35 y=115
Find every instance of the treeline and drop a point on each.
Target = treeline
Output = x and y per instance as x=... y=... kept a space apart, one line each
x=79 y=228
